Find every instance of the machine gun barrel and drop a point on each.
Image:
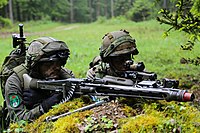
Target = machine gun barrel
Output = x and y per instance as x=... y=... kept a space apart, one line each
x=167 y=94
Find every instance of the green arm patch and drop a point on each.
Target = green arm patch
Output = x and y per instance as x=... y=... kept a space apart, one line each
x=14 y=100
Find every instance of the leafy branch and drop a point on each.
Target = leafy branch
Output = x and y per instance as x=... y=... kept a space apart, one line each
x=185 y=18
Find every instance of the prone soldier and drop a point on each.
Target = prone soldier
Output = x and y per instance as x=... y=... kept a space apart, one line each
x=116 y=56
x=45 y=59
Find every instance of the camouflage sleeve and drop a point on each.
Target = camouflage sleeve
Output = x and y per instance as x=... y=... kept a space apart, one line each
x=95 y=72
x=94 y=68
x=14 y=100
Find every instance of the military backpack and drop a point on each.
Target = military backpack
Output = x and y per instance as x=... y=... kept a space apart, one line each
x=15 y=58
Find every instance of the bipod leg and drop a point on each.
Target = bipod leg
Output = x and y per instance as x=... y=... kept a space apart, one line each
x=96 y=104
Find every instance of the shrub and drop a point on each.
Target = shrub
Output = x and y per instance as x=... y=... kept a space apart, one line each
x=4 y=22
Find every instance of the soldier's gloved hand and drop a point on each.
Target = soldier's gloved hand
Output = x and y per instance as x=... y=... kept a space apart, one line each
x=31 y=97
x=51 y=101
x=91 y=73
x=140 y=66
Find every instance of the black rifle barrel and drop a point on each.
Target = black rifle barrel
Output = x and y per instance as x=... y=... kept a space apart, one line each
x=168 y=94
x=21 y=32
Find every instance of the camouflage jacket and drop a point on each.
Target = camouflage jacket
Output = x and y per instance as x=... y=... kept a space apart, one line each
x=14 y=99
x=99 y=69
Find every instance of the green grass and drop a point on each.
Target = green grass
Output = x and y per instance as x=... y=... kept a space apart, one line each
x=159 y=54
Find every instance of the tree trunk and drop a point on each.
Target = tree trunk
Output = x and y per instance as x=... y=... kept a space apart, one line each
x=90 y=10
x=71 y=11
x=106 y=8
x=112 y=8
x=11 y=11
x=18 y=12
x=98 y=9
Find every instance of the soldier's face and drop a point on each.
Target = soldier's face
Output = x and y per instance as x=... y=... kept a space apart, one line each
x=50 y=70
x=119 y=62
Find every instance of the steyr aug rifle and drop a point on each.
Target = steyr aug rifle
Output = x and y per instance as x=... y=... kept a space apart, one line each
x=114 y=87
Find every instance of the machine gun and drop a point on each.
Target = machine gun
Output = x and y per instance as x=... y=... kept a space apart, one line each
x=110 y=86
x=105 y=87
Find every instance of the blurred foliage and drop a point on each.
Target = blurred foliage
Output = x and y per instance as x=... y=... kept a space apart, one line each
x=121 y=7
x=186 y=19
x=3 y=2
x=5 y=22
x=86 y=11
x=141 y=10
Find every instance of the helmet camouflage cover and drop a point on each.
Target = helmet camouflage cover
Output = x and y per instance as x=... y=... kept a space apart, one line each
x=46 y=49
x=117 y=43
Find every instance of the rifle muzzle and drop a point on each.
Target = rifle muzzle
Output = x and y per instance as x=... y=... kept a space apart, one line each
x=188 y=97
x=180 y=95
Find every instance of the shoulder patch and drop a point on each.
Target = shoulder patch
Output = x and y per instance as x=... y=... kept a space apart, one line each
x=14 y=100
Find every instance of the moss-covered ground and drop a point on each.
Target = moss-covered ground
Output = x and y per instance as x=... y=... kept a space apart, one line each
x=122 y=115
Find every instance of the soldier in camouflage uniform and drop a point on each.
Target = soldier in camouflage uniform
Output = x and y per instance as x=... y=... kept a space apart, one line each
x=45 y=59
x=116 y=54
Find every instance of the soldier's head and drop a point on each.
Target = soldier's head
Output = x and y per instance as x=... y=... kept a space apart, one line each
x=118 y=48
x=45 y=57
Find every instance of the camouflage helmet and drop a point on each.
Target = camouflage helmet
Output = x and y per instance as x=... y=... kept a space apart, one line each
x=117 y=43
x=46 y=49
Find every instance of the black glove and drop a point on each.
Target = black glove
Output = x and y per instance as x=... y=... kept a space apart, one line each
x=140 y=66
x=53 y=100
x=32 y=97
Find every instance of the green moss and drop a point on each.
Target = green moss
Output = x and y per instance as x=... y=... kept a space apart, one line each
x=64 y=124
x=178 y=116
x=129 y=111
x=18 y=126
x=69 y=123
x=142 y=123
x=195 y=87
x=163 y=116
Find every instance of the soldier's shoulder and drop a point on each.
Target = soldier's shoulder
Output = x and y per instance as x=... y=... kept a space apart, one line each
x=12 y=77
x=96 y=61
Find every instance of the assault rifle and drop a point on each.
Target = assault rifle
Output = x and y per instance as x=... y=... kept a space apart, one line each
x=110 y=86
x=19 y=40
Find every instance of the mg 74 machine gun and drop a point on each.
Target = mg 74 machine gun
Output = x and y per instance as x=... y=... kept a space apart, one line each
x=112 y=86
